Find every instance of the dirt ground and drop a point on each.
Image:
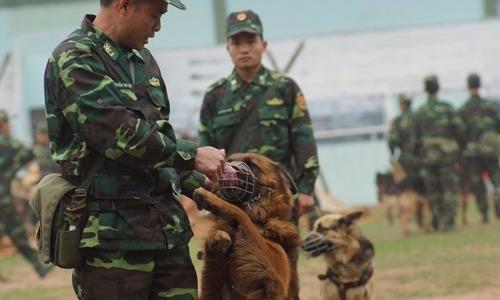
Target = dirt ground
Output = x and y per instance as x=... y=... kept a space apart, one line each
x=23 y=278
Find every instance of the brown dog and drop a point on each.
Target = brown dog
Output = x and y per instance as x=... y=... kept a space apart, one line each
x=250 y=253
x=348 y=255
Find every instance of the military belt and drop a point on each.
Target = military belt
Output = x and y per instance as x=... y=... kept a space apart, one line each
x=114 y=205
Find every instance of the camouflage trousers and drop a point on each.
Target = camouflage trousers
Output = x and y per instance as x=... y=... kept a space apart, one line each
x=137 y=275
x=442 y=188
x=11 y=224
x=474 y=183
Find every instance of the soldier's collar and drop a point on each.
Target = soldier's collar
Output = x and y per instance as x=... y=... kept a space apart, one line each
x=110 y=47
x=432 y=99
x=261 y=78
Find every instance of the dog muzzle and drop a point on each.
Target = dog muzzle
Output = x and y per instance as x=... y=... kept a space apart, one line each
x=315 y=244
x=239 y=184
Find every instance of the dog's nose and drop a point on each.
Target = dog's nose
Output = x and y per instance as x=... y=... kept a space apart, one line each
x=315 y=244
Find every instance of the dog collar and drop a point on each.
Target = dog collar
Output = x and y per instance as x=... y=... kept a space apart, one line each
x=344 y=286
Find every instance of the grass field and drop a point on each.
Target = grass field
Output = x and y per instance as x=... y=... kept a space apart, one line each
x=464 y=264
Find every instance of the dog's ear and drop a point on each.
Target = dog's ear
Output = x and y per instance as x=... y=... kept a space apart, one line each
x=285 y=175
x=353 y=217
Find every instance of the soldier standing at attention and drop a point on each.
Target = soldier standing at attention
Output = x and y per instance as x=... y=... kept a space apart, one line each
x=261 y=111
x=438 y=129
x=481 y=146
x=400 y=137
x=13 y=156
x=107 y=101
x=41 y=149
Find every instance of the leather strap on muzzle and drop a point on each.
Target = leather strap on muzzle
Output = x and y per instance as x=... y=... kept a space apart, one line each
x=243 y=188
x=315 y=244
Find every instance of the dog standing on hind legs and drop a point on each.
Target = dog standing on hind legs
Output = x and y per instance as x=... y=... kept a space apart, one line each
x=348 y=256
x=249 y=254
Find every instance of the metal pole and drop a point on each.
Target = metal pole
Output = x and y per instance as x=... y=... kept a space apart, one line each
x=491 y=8
x=219 y=7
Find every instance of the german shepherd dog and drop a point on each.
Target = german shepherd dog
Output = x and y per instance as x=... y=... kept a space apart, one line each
x=250 y=254
x=403 y=197
x=348 y=256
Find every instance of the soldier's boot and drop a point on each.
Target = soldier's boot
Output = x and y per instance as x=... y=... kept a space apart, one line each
x=435 y=223
x=448 y=224
x=497 y=209
x=485 y=219
x=42 y=270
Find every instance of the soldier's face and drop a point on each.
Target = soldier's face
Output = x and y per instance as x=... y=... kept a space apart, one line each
x=42 y=138
x=5 y=128
x=246 y=49
x=141 y=22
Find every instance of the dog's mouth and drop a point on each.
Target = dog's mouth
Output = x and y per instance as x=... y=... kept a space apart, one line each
x=315 y=244
x=239 y=185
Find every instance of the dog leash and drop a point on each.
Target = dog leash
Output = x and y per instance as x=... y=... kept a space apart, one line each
x=343 y=287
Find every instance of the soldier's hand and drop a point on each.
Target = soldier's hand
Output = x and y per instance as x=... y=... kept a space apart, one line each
x=305 y=204
x=210 y=185
x=210 y=162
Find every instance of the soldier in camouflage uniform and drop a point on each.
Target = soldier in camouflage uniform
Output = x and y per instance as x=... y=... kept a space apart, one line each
x=400 y=137
x=438 y=129
x=258 y=110
x=261 y=111
x=41 y=150
x=106 y=101
x=482 y=126
x=13 y=156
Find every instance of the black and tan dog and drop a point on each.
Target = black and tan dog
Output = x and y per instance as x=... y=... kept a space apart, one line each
x=250 y=252
x=348 y=255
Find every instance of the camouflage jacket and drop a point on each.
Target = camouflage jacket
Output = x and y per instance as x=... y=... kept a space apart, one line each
x=437 y=121
x=479 y=116
x=400 y=134
x=268 y=116
x=13 y=156
x=102 y=100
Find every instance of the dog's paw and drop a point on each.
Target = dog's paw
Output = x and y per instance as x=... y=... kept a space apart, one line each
x=208 y=200
x=218 y=243
x=199 y=197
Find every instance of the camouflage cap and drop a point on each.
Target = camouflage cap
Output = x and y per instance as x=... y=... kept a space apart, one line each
x=243 y=21
x=176 y=3
x=405 y=99
x=473 y=80
x=431 y=83
x=431 y=79
x=4 y=116
x=41 y=127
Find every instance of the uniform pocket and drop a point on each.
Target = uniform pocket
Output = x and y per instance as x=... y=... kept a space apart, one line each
x=177 y=228
x=157 y=97
x=224 y=126
x=274 y=129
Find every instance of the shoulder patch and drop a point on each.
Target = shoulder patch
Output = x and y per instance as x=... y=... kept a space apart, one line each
x=216 y=84
x=300 y=100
